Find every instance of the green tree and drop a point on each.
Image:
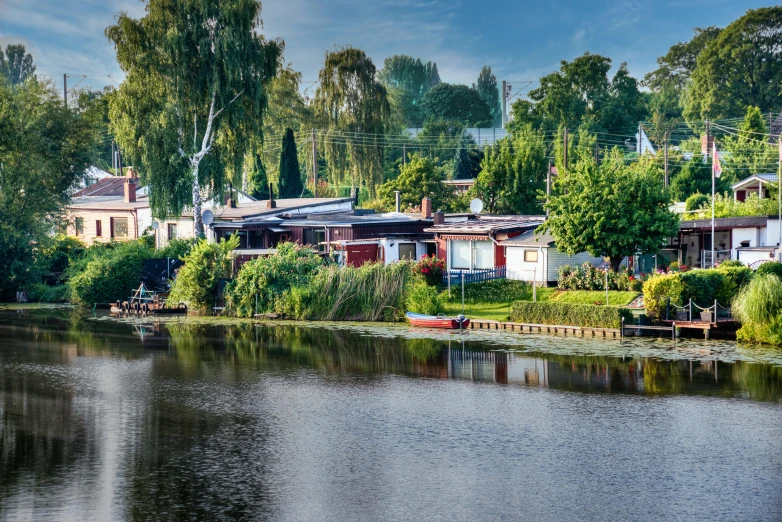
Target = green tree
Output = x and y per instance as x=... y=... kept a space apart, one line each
x=614 y=210
x=355 y=108
x=44 y=149
x=749 y=152
x=407 y=81
x=290 y=174
x=693 y=178
x=467 y=163
x=513 y=174
x=489 y=93
x=194 y=70
x=675 y=68
x=258 y=185
x=420 y=178
x=741 y=67
x=17 y=66
x=456 y=103
x=287 y=108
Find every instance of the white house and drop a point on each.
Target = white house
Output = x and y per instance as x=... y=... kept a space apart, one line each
x=536 y=258
x=755 y=184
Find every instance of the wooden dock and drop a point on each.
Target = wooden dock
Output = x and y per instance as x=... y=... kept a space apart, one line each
x=485 y=324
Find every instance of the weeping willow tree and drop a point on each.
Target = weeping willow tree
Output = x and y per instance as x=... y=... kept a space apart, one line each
x=355 y=108
x=193 y=95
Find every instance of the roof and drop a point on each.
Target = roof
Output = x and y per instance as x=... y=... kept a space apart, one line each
x=470 y=181
x=776 y=130
x=733 y=222
x=487 y=224
x=110 y=186
x=260 y=208
x=530 y=239
x=107 y=203
x=762 y=178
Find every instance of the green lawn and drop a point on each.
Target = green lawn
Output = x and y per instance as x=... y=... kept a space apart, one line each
x=492 y=301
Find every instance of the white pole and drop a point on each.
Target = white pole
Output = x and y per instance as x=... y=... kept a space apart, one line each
x=462 y=293
x=606 y=286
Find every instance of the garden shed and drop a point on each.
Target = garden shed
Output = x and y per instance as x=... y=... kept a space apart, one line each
x=535 y=258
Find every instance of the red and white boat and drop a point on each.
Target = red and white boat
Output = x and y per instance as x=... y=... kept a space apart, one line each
x=438 y=321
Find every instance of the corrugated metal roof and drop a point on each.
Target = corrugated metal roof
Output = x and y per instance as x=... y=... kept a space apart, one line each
x=259 y=208
x=530 y=239
x=768 y=177
x=487 y=225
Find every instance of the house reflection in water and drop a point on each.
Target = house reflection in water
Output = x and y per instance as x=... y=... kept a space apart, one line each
x=643 y=375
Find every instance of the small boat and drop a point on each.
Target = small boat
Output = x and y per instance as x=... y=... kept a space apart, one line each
x=438 y=321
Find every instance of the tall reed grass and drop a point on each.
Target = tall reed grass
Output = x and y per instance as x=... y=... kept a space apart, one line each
x=759 y=308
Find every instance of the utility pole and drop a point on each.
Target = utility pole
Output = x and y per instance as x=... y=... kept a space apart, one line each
x=113 y=158
x=640 y=149
x=666 y=158
x=713 y=191
x=565 y=140
x=504 y=101
x=65 y=90
x=404 y=155
x=548 y=186
x=314 y=165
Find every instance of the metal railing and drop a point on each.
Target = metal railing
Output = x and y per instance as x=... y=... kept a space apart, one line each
x=721 y=255
x=711 y=314
x=454 y=277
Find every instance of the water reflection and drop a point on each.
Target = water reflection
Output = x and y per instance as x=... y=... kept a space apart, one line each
x=102 y=420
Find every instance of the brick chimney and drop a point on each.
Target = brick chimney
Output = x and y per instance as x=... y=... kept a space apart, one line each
x=130 y=188
x=426 y=208
x=707 y=147
x=438 y=217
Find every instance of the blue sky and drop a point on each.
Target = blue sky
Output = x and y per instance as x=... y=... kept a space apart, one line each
x=521 y=40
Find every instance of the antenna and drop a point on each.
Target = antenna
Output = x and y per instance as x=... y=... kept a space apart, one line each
x=208 y=217
x=476 y=205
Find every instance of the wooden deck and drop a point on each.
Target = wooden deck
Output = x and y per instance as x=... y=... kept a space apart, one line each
x=485 y=324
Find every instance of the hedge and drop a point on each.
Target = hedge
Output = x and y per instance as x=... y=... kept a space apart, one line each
x=566 y=314
x=703 y=286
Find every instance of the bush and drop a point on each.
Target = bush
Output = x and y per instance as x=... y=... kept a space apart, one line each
x=696 y=201
x=196 y=282
x=770 y=267
x=758 y=306
x=176 y=248
x=494 y=291
x=431 y=268
x=730 y=263
x=423 y=298
x=371 y=292
x=703 y=286
x=588 y=316
x=42 y=293
x=108 y=273
x=58 y=253
x=264 y=282
x=589 y=277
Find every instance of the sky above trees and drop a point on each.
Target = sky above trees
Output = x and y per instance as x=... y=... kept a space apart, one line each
x=521 y=40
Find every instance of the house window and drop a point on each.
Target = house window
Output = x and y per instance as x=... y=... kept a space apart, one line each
x=172 y=231
x=530 y=256
x=79 y=226
x=483 y=254
x=407 y=251
x=98 y=228
x=314 y=237
x=119 y=227
x=461 y=254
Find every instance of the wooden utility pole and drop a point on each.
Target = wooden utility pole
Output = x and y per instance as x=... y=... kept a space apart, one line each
x=504 y=104
x=565 y=140
x=314 y=165
x=404 y=155
x=65 y=90
x=548 y=186
x=666 y=158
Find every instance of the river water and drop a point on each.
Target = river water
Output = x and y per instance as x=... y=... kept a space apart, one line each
x=107 y=420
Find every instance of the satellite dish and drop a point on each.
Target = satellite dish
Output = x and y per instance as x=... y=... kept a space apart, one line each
x=155 y=225
x=208 y=217
x=476 y=205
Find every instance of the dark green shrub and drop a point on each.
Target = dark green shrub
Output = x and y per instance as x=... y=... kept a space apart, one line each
x=771 y=267
x=702 y=286
x=494 y=291
x=263 y=283
x=196 y=282
x=422 y=298
x=658 y=289
x=109 y=273
x=734 y=279
x=696 y=201
x=587 y=316
x=176 y=248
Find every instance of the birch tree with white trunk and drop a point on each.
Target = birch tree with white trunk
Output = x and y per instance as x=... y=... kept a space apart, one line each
x=193 y=68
